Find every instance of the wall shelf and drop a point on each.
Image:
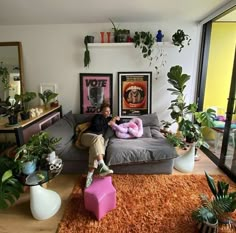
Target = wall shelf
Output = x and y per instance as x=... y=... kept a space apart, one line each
x=130 y=44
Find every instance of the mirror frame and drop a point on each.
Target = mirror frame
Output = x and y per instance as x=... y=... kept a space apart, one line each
x=20 y=59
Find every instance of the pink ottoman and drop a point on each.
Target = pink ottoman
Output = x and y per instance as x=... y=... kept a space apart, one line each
x=100 y=196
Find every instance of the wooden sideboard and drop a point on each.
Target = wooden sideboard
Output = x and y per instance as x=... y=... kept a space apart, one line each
x=25 y=129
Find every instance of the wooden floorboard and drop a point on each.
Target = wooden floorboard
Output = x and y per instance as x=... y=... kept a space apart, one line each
x=19 y=219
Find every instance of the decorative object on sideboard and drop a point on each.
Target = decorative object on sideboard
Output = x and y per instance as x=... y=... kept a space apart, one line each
x=47 y=97
x=25 y=98
x=159 y=36
x=179 y=38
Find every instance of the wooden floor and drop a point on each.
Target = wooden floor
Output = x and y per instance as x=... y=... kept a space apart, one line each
x=19 y=219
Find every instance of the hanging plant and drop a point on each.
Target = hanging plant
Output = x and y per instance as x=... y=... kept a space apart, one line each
x=179 y=37
x=86 y=52
x=145 y=41
x=4 y=74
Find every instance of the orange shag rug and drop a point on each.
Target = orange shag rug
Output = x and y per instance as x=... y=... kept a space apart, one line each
x=145 y=203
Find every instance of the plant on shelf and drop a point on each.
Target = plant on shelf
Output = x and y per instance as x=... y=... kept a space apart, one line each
x=145 y=41
x=181 y=112
x=179 y=37
x=10 y=186
x=25 y=98
x=87 y=59
x=217 y=208
x=12 y=108
x=120 y=35
x=47 y=96
x=4 y=74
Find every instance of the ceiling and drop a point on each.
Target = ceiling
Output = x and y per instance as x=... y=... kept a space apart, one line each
x=30 y=12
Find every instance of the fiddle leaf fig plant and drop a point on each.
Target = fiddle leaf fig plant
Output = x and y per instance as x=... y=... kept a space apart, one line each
x=179 y=38
x=181 y=112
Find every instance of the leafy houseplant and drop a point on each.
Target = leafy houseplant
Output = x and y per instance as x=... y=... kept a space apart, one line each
x=181 y=111
x=12 y=107
x=25 y=98
x=145 y=41
x=219 y=207
x=37 y=148
x=179 y=37
x=10 y=186
x=120 y=35
x=4 y=74
x=47 y=96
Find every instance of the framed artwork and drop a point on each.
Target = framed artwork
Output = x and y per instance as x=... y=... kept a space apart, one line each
x=94 y=90
x=134 y=93
x=47 y=86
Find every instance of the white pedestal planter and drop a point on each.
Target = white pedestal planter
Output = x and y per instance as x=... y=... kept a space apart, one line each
x=185 y=162
x=44 y=203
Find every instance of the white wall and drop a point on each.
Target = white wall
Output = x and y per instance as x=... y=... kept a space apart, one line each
x=54 y=54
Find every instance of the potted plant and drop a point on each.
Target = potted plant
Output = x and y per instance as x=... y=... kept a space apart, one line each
x=217 y=208
x=145 y=41
x=12 y=109
x=179 y=37
x=25 y=98
x=181 y=112
x=10 y=186
x=4 y=74
x=35 y=151
x=47 y=96
x=120 y=35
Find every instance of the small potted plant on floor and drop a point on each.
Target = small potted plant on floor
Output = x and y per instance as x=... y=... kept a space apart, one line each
x=25 y=98
x=218 y=208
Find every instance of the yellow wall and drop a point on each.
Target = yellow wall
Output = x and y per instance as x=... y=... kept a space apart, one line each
x=220 y=65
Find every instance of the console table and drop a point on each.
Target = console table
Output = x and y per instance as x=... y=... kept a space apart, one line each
x=26 y=128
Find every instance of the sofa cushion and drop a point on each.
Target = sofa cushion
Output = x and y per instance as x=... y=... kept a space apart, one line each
x=61 y=129
x=69 y=117
x=138 y=150
x=150 y=120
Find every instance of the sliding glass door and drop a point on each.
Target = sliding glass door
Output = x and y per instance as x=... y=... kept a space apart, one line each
x=217 y=88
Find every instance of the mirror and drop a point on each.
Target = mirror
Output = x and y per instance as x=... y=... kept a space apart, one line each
x=11 y=70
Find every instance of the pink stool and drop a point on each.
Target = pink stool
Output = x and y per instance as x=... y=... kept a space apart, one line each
x=100 y=196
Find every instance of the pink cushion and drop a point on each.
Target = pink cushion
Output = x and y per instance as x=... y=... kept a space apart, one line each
x=100 y=196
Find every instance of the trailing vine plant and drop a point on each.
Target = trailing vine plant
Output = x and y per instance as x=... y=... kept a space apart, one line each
x=87 y=59
x=179 y=37
x=145 y=41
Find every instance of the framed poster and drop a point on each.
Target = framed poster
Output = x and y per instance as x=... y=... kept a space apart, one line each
x=134 y=93
x=94 y=90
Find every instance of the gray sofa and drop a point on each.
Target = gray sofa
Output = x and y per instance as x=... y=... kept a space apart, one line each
x=150 y=154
